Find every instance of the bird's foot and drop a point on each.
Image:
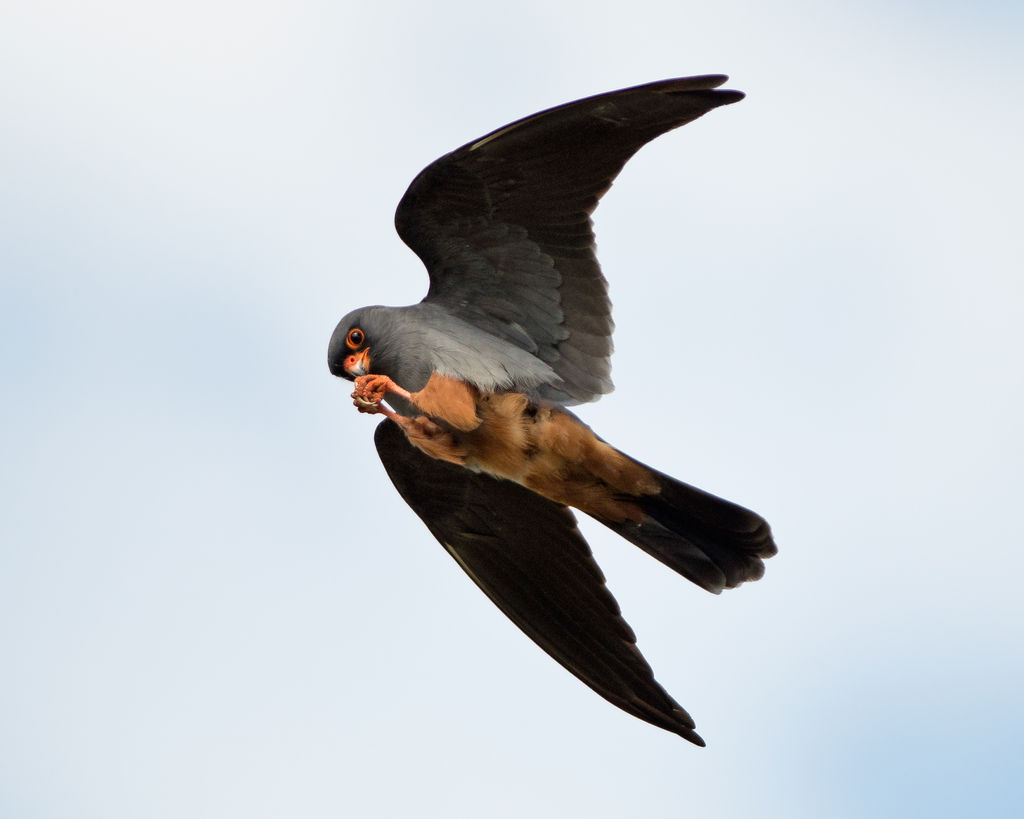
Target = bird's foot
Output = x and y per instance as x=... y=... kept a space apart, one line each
x=369 y=394
x=369 y=406
x=372 y=388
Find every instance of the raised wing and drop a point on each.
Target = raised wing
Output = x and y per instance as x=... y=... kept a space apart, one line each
x=503 y=223
x=527 y=555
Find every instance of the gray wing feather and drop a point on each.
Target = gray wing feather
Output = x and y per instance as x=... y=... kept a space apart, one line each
x=503 y=223
x=526 y=554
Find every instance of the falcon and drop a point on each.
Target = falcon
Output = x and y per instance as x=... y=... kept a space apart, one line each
x=474 y=382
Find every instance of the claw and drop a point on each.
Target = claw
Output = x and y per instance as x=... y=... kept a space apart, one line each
x=366 y=405
x=369 y=394
x=372 y=403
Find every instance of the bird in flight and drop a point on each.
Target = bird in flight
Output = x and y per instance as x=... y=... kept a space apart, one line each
x=474 y=382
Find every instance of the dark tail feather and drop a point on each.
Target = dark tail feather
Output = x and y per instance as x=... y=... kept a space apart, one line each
x=713 y=542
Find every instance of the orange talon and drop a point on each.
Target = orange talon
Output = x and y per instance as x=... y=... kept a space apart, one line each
x=374 y=387
x=372 y=403
x=365 y=405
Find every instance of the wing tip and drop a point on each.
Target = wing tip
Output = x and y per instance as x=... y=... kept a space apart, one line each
x=683 y=726
x=706 y=82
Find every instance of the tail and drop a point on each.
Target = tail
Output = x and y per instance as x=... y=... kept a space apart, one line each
x=713 y=542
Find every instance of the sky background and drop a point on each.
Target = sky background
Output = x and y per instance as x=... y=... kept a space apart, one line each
x=212 y=602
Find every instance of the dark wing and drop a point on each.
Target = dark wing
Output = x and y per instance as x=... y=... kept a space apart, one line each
x=527 y=555
x=503 y=223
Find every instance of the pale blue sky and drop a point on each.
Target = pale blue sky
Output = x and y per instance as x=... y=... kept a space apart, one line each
x=213 y=604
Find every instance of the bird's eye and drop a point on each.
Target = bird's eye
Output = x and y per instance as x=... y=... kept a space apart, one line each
x=354 y=338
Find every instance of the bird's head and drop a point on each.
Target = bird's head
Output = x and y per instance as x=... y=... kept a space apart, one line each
x=348 y=354
x=369 y=340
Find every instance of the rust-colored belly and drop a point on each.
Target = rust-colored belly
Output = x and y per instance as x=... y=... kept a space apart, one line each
x=543 y=448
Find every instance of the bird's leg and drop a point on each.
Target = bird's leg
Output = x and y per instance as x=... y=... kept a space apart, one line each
x=447 y=407
x=422 y=431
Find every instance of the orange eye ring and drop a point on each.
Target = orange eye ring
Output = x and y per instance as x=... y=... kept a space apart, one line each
x=355 y=338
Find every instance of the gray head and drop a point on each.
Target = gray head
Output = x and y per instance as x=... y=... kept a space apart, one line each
x=348 y=354
x=383 y=341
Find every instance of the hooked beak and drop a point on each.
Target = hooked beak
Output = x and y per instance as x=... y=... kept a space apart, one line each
x=358 y=364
